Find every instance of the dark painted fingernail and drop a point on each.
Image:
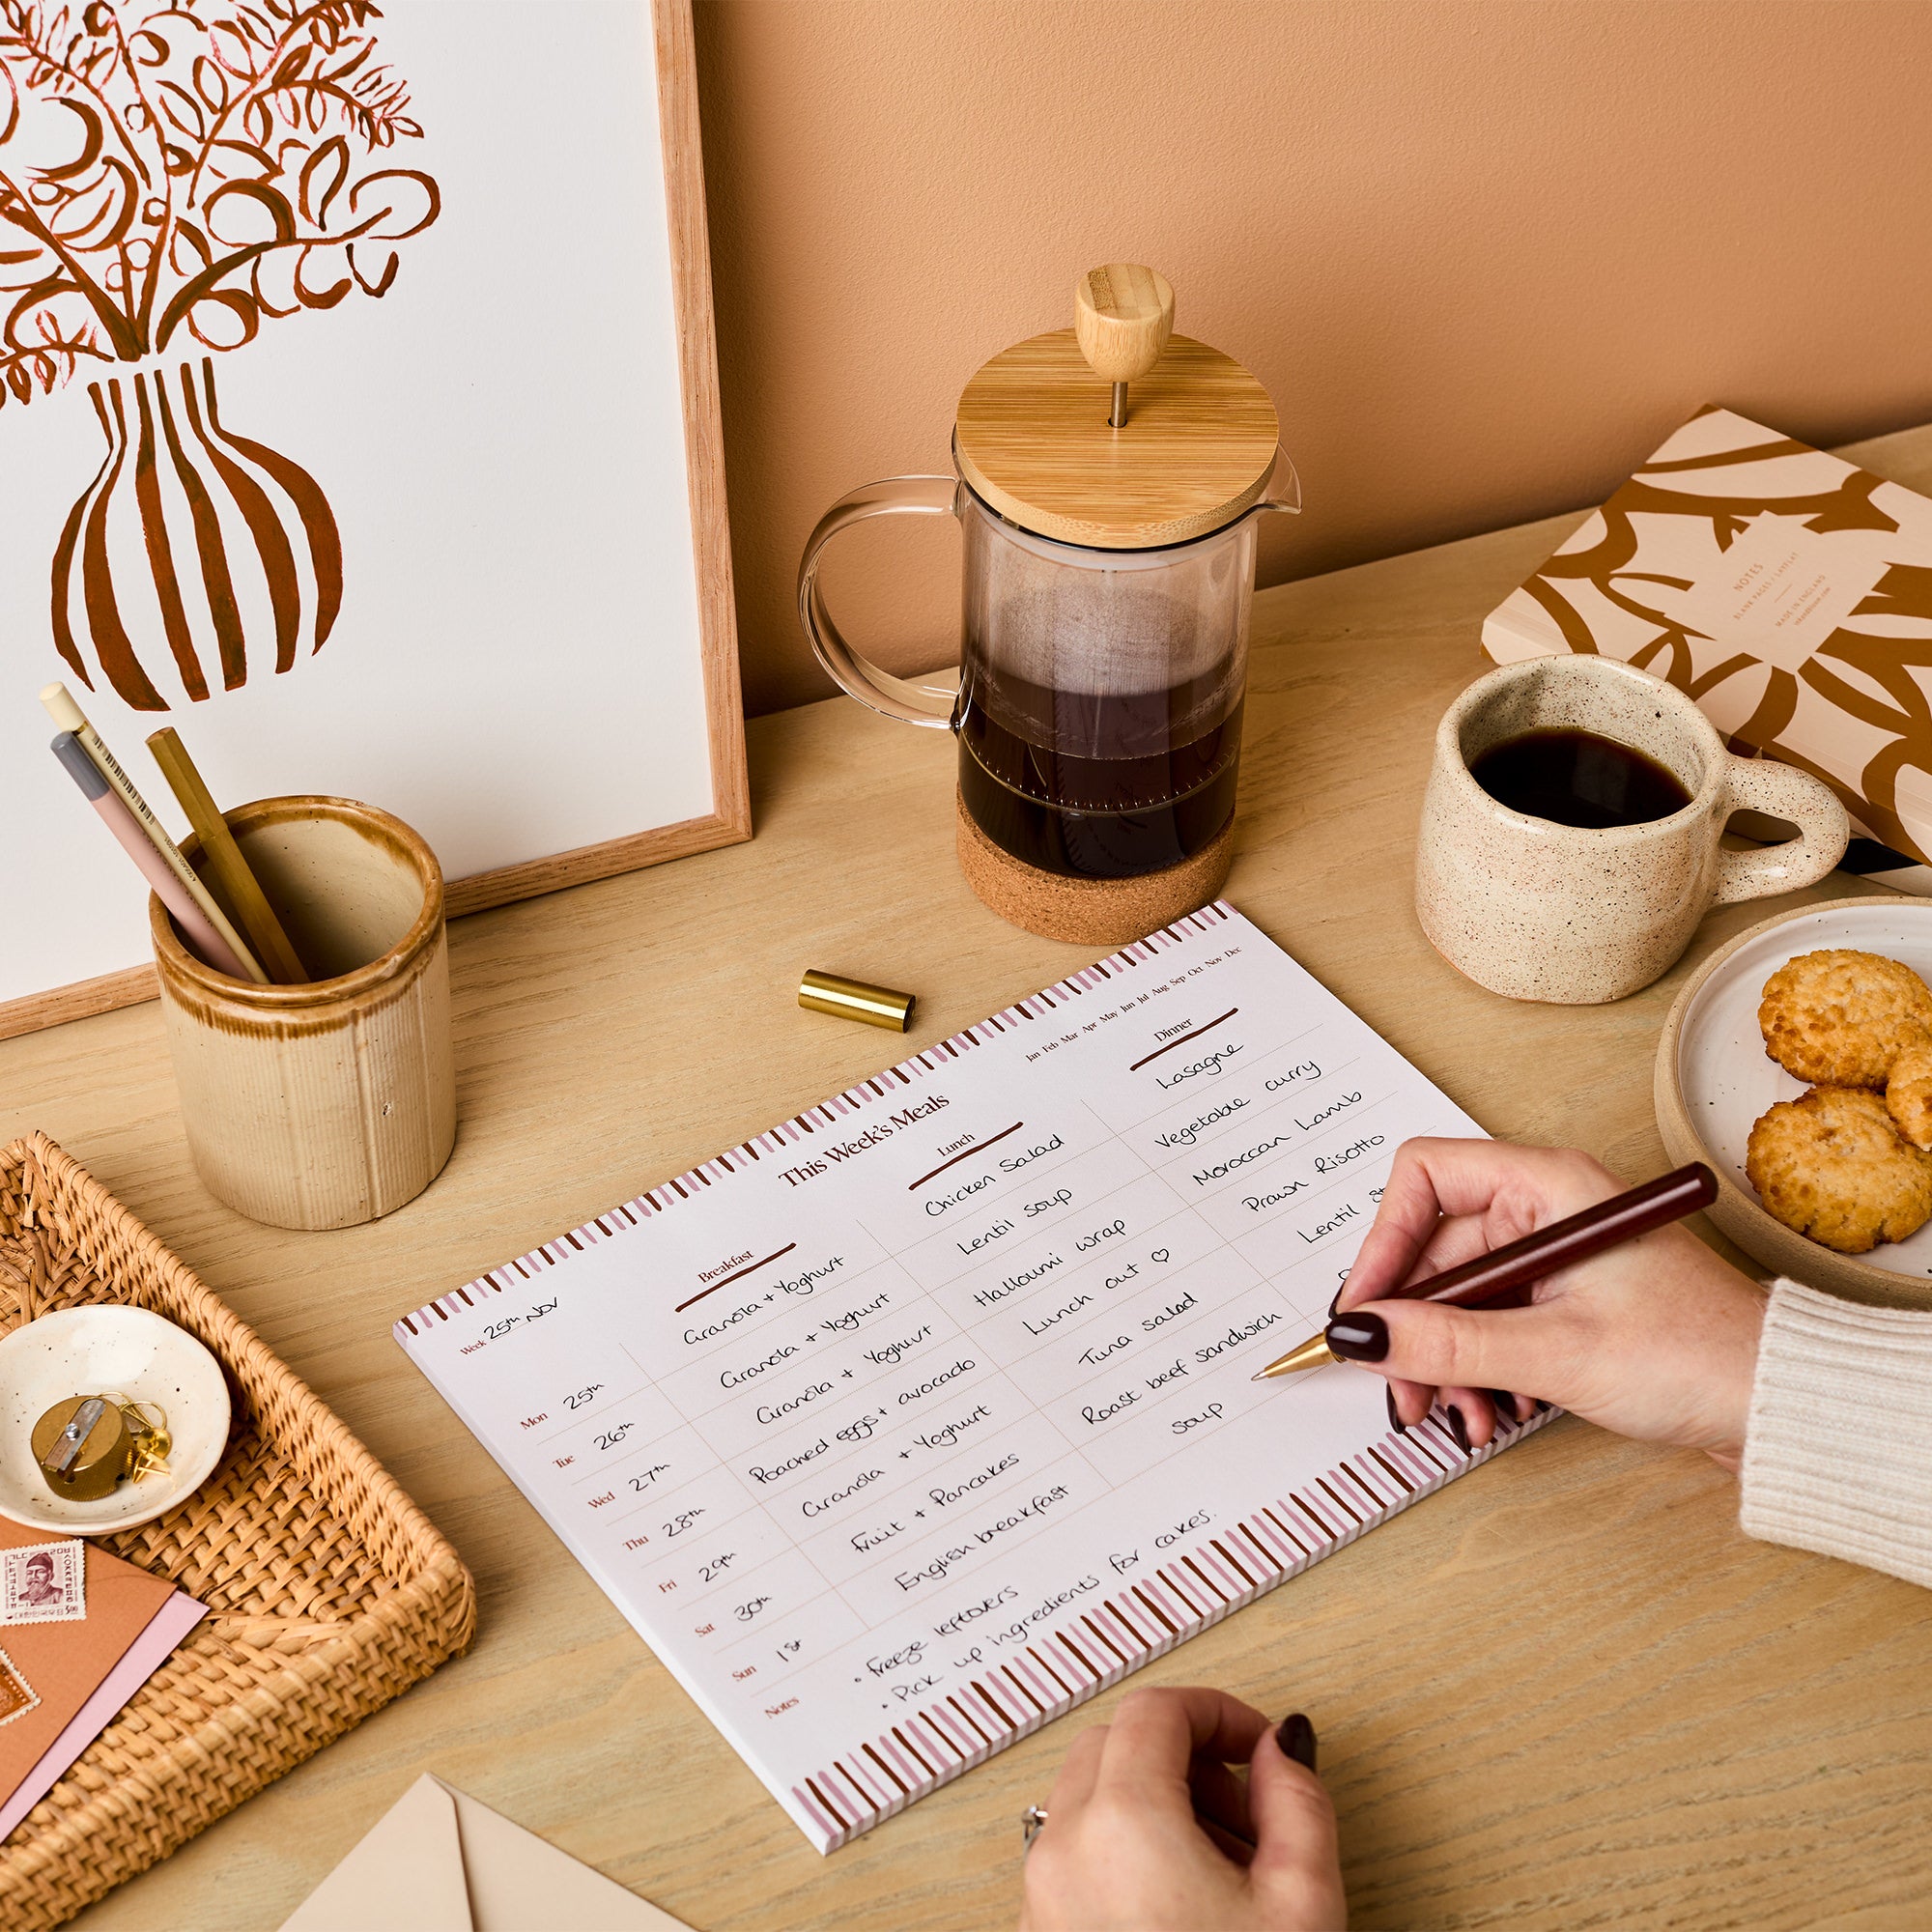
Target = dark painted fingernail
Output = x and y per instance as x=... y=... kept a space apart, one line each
x=1360 y=1336
x=1505 y=1405
x=1457 y=1428
x=1296 y=1739
x=1336 y=1303
x=1396 y=1422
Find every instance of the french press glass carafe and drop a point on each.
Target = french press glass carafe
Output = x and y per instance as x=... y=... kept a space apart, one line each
x=1109 y=478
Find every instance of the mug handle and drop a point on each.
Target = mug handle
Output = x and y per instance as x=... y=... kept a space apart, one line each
x=1824 y=830
x=917 y=704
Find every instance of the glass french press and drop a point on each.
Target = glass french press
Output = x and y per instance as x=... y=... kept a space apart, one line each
x=1109 y=479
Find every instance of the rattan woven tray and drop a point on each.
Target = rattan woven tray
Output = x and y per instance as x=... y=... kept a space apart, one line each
x=328 y=1591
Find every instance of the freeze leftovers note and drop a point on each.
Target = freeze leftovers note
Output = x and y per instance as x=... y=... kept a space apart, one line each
x=915 y=1421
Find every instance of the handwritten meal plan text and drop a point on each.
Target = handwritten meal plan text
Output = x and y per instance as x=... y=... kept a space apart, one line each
x=914 y=1422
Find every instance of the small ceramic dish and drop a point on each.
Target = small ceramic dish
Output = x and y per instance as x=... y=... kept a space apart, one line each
x=90 y=1352
x=1713 y=1079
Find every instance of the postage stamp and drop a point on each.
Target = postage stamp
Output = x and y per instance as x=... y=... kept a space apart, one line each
x=16 y=1695
x=42 y=1583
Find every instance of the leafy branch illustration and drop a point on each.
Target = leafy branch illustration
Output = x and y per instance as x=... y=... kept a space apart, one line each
x=171 y=177
x=190 y=167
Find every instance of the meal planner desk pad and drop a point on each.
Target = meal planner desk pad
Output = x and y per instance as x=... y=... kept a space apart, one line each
x=921 y=1418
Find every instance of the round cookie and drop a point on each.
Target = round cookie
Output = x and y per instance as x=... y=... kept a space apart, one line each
x=1840 y=1019
x=1831 y=1167
x=1908 y=1094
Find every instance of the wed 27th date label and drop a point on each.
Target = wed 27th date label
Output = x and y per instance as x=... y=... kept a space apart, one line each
x=957 y=1368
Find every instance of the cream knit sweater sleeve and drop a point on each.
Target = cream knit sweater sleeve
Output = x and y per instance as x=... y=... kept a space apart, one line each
x=1839 y=1449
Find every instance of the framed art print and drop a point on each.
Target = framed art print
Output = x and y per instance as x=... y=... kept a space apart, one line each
x=358 y=417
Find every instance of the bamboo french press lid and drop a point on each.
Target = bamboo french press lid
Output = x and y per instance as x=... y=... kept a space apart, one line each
x=1117 y=434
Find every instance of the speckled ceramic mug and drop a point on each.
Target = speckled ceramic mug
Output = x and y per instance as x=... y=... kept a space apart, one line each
x=1539 y=911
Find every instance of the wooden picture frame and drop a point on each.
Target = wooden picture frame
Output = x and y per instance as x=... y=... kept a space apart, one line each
x=728 y=821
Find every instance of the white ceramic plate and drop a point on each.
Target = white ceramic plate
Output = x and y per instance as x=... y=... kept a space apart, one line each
x=89 y=1351
x=1713 y=1079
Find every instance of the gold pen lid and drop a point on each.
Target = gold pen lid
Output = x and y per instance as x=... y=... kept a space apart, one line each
x=856 y=1000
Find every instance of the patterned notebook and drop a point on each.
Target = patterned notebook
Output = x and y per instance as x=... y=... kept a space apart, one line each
x=1788 y=591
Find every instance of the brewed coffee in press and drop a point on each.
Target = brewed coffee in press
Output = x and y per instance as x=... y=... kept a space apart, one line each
x=1097 y=817
x=1109 y=479
x=1100 y=722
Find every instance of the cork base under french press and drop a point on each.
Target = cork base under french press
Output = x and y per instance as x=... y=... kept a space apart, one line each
x=1089 y=912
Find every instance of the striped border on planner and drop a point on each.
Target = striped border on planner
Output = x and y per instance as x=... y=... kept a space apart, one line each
x=830 y=1113
x=1181 y=1596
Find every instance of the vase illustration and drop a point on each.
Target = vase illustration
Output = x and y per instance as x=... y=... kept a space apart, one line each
x=186 y=475
x=171 y=177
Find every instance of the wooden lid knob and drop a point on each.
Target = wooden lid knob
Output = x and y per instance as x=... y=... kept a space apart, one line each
x=1123 y=314
x=1034 y=442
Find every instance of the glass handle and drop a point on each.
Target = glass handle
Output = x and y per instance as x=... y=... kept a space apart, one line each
x=929 y=701
x=1291 y=503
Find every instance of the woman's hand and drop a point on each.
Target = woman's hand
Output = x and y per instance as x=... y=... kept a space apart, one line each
x=1657 y=1339
x=1149 y=1830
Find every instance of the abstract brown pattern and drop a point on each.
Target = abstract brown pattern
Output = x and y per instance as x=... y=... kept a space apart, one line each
x=171 y=176
x=1905 y=715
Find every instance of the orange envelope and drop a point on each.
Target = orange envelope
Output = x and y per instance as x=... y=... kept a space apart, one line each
x=64 y=1664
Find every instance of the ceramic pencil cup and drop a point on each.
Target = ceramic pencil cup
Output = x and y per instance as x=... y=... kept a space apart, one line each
x=326 y=1104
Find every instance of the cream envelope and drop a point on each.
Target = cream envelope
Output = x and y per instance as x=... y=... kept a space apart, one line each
x=438 y=1861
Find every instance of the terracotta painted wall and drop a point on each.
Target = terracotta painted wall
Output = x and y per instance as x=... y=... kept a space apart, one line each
x=1484 y=253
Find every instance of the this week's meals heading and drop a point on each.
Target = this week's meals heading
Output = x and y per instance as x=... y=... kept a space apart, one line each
x=911 y=1424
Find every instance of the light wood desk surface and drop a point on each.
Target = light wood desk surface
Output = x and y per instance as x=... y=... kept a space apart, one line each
x=1565 y=1692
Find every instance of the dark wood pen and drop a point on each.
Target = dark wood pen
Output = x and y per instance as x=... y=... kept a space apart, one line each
x=1608 y=1225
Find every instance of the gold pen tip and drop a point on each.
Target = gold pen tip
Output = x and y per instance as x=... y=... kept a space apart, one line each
x=1313 y=1353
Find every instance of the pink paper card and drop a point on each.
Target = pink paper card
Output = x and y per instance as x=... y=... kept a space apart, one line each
x=142 y=1659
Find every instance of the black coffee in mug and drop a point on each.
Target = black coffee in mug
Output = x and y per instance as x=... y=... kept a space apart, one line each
x=1573 y=776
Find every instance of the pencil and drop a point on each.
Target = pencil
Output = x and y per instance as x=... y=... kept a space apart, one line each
x=68 y=716
x=231 y=870
x=1640 y=1210
x=119 y=822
